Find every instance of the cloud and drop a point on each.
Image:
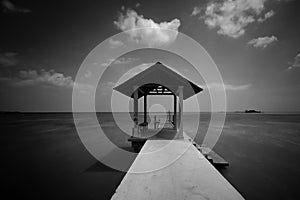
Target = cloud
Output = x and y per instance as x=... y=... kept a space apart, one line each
x=124 y=60
x=83 y=87
x=227 y=87
x=263 y=42
x=33 y=77
x=88 y=74
x=106 y=88
x=45 y=78
x=268 y=15
x=115 y=43
x=231 y=17
x=146 y=31
x=5 y=79
x=119 y=61
x=8 y=6
x=196 y=11
x=295 y=63
x=138 y=69
x=286 y=0
x=8 y=59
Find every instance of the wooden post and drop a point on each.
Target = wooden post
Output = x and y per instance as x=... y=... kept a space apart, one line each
x=136 y=105
x=175 y=112
x=180 y=135
x=145 y=108
x=135 y=110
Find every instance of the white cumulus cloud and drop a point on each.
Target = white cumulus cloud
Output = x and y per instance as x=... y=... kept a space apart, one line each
x=231 y=17
x=45 y=78
x=118 y=61
x=32 y=77
x=115 y=43
x=295 y=63
x=268 y=15
x=263 y=42
x=196 y=11
x=147 y=31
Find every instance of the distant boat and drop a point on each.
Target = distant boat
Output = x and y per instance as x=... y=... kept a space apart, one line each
x=252 y=111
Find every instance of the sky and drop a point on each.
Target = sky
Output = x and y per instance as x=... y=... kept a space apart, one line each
x=254 y=43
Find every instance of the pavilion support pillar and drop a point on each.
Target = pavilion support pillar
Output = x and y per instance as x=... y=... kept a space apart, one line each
x=175 y=112
x=135 y=105
x=180 y=90
x=145 y=108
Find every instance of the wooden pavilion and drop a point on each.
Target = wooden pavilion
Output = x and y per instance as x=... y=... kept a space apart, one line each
x=168 y=168
x=159 y=80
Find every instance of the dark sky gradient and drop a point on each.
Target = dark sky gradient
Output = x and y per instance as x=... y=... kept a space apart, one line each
x=58 y=35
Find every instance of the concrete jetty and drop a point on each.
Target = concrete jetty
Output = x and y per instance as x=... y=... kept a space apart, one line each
x=191 y=176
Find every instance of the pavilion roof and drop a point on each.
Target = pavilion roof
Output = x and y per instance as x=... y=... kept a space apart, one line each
x=158 y=80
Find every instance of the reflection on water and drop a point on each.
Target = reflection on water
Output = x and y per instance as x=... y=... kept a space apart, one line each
x=43 y=157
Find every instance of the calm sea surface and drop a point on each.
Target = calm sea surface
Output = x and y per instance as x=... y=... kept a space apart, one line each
x=42 y=156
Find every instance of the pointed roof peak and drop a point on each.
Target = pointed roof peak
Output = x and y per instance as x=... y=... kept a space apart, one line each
x=159 y=74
